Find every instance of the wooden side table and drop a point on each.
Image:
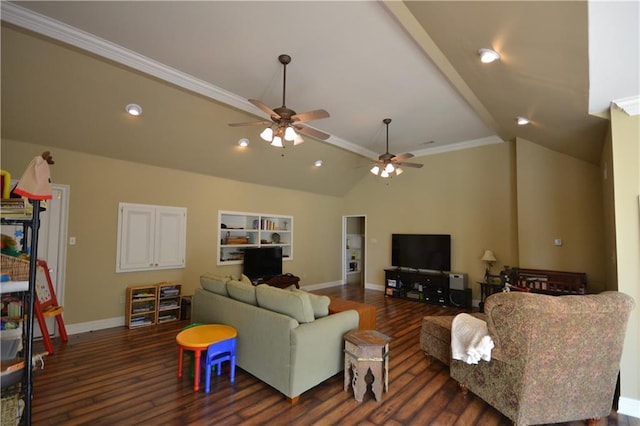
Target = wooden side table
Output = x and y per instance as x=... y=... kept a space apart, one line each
x=486 y=290
x=366 y=350
x=366 y=313
x=198 y=339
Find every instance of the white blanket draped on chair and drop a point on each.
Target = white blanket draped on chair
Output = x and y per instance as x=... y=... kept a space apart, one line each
x=470 y=340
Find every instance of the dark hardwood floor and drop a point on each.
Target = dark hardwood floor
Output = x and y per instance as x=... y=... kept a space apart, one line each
x=122 y=377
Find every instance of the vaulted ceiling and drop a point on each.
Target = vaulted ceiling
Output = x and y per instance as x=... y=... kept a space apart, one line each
x=69 y=68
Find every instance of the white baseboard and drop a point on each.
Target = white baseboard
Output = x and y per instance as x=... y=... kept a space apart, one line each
x=377 y=287
x=629 y=407
x=84 y=327
x=323 y=285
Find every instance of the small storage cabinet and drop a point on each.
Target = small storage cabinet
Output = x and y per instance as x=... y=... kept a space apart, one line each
x=430 y=287
x=142 y=302
x=169 y=300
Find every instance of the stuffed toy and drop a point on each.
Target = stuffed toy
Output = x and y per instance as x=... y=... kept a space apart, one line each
x=9 y=246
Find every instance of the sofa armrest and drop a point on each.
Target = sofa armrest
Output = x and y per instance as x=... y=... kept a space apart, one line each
x=317 y=349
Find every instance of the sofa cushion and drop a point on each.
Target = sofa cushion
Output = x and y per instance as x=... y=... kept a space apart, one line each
x=243 y=292
x=245 y=279
x=319 y=303
x=297 y=305
x=215 y=283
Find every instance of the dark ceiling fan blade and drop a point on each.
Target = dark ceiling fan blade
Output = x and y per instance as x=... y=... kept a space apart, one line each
x=404 y=156
x=308 y=131
x=414 y=165
x=265 y=108
x=251 y=123
x=310 y=115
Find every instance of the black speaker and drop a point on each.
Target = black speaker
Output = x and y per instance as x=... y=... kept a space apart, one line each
x=460 y=298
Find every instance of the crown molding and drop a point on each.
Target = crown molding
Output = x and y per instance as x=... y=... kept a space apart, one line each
x=83 y=40
x=59 y=31
x=631 y=106
x=62 y=32
x=489 y=140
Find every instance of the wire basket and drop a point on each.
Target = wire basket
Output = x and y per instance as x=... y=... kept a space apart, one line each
x=11 y=405
x=16 y=267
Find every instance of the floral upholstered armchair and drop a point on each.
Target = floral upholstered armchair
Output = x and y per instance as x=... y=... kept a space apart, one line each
x=556 y=358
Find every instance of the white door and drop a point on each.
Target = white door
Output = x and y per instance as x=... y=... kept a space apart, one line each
x=52 y=245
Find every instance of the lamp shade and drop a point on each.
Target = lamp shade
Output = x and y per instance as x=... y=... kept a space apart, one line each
x=277 y=141
x=290 y=134
x=488 y=256
x=267 y=134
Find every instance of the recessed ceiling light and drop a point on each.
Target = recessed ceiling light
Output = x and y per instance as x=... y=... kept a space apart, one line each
x=488 y=55
x=134 y=109
x=243 y=142
x=522 y=121
x=318 y=163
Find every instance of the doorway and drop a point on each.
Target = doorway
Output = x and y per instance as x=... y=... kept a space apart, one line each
x=354 y=250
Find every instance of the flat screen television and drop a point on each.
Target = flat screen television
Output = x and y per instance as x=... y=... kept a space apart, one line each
x=421 y=251
x=262 y=263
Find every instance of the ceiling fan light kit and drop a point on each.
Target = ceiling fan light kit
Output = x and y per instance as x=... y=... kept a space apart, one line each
x=285 y=122
x=277 y=142
x=389 y=164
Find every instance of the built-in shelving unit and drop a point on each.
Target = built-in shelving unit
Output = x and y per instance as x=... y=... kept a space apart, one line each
x=238 y=230
x=353 y=253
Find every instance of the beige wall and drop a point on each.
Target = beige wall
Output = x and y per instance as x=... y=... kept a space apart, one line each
x=470 y=194
x=467 y=194
x=606 y=166
x=93 y=289
x=625 y=137
x=490 y=197
x=560 y=197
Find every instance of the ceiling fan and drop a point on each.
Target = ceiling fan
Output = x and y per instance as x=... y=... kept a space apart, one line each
x=285 y=122
x=390 y=163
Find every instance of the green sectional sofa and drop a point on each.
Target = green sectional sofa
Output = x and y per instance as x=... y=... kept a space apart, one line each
x=286 y=338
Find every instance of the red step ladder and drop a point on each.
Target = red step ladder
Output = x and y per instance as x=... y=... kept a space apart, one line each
x=46 y=306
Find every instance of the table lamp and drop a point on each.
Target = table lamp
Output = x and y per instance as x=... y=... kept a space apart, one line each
x=489 y=258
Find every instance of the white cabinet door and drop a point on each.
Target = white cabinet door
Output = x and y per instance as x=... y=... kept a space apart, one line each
x=151 y=237
x=170 y=238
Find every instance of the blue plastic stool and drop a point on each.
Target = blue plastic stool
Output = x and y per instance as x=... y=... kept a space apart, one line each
x=217 y=353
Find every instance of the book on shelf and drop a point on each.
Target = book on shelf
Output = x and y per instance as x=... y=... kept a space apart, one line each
x=15 y=208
